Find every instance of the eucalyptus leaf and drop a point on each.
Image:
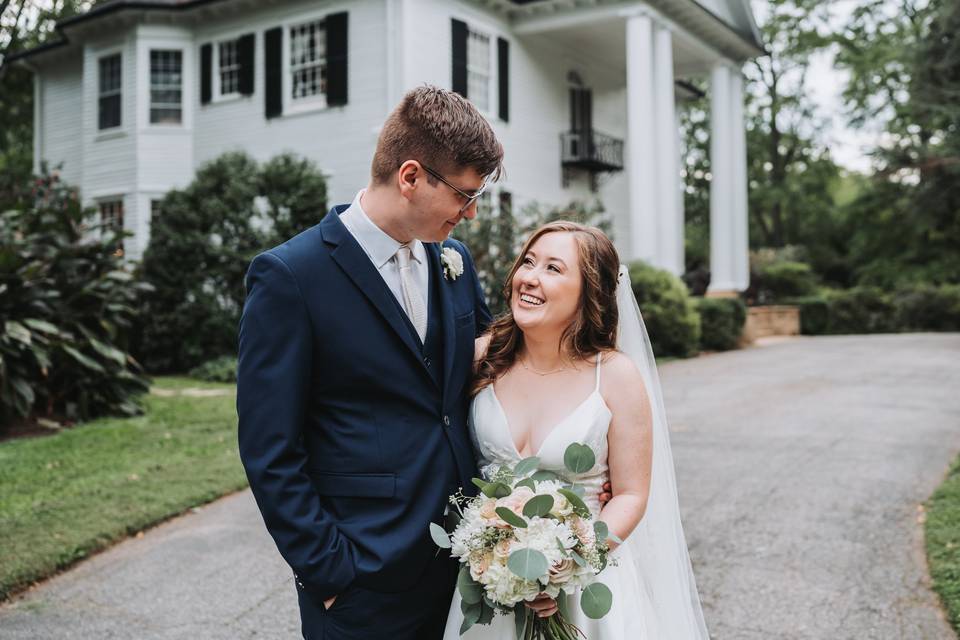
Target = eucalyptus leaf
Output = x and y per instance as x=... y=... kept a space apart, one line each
x=544 y=475
x=579 y=506
x=496 y=490
x=601 y=530
x=563 y=604
x=612 y=536
x=520 y=618
x=538 y=506
x=439 y=536
x=486 y=613
x=526 y=482
x=596 y=600
x=526 y=466
x=471 y=592
x=508 y=516
x=480 y=484
x=471 y=613
x=578 y=558
x=528 y=564
x=579 y=458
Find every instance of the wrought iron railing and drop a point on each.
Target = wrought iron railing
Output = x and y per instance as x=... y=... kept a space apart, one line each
x=591 y=150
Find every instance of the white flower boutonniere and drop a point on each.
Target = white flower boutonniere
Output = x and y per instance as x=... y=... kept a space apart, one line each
x=452 y=263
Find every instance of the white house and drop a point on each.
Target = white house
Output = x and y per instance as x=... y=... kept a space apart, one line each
x=134 y=95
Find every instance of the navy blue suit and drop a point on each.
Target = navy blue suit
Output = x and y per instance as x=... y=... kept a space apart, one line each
x=353 y=432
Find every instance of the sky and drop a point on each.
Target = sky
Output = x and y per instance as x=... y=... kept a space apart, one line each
x=848 y=147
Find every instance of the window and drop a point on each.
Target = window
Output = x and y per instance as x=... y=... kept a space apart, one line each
x=478 y=69
x=228 y=63
x=308 y=60
x=111 y=217
x=165 y=86
x=109 y=94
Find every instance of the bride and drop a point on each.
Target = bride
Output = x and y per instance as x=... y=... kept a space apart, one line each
x=571 y=362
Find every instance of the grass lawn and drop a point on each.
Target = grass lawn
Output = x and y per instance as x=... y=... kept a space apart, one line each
x=943 y=542
x=65 y=496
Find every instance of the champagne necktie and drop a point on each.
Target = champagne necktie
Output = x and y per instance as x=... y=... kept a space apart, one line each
x=412 y=297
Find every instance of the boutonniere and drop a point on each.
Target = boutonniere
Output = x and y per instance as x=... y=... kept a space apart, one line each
x=452 y=263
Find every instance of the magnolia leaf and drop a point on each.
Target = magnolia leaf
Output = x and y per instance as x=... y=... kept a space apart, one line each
x=508 y=516
x=42 y=325
x=470 y=591
x=526 y=466
x=82 y=359
x=579 y=506
x=528 y=564
x=596 y=600
x=17 y=331
x=439 y=536
x=109 y=352
x=579 y=458
x=538 y=506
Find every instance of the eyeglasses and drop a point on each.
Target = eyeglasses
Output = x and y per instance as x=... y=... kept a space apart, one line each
x=469 y=197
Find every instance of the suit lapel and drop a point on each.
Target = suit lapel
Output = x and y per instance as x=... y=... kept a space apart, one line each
x=348 y=253
x=446 y=313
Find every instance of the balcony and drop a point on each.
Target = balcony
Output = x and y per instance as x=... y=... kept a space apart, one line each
x=591 y=151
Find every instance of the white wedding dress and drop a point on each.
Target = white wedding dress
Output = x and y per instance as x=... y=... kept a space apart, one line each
x=631 y=617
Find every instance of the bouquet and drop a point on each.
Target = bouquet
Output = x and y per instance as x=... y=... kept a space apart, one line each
x=527 y=533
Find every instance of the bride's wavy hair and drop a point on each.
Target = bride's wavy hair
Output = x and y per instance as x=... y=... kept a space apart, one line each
x=592 y=331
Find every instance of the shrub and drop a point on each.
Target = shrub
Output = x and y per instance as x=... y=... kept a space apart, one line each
x=68 y=304
x=201 y=244
x=928 y=308
x=668 y=311
x=861 y=310
x=784 y=280
x=721 y=322
x=222 y=369
x=814 y=314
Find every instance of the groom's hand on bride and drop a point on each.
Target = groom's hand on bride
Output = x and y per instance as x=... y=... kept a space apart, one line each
x=544 y=606
x=606 y=494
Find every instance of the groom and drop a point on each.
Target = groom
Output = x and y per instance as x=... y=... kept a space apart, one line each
x=356 y=345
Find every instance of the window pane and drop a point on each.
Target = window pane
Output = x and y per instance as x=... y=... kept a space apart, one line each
x=478 y=69
x=111 y=217
x=165 y=81
x=308 y=64
x=109 y=111
x=110 y=74
x=229 y=68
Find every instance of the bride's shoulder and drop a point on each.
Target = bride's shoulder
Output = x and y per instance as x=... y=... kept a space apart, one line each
x=618 y=372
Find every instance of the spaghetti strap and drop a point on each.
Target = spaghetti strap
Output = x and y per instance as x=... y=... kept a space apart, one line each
x=598 y=372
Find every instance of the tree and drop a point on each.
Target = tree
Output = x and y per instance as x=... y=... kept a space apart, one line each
x=201 y=243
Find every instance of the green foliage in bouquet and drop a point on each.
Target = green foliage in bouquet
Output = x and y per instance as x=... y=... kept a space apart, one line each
x=479 y=603
x=201 y=243
x=67 y=303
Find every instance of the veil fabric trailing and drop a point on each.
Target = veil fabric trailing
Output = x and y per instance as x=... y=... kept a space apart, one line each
x=658 y=545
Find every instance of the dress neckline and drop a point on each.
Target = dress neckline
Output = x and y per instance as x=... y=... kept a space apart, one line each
x=556 y=426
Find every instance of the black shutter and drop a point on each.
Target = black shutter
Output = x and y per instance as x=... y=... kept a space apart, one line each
x=245 y=45
x=273 y=72
x=336 y=58
x=459 y=57
x=503 y=78
x=206 y=73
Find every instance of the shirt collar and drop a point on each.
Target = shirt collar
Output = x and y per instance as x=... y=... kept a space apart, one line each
x=374 y=240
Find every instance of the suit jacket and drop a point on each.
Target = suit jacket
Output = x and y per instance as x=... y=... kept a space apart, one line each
x=351 y=447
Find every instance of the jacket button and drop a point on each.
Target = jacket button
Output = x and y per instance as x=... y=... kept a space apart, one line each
x=446 y=420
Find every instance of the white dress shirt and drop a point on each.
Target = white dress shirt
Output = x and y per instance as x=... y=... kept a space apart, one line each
x=382 y=250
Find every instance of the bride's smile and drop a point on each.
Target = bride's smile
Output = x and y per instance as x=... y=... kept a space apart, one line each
x=546 y=286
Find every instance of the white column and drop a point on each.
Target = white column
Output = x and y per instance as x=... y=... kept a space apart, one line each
x=741 y=243
x=722 y=261
x=640 y=147
x=680 y=247
x=38 y=121
x=667 y=154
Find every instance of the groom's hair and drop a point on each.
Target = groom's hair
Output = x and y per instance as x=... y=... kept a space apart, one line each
x=441 y=129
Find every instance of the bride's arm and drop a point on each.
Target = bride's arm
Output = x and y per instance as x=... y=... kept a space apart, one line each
x=630 y=440
x=480 y=349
